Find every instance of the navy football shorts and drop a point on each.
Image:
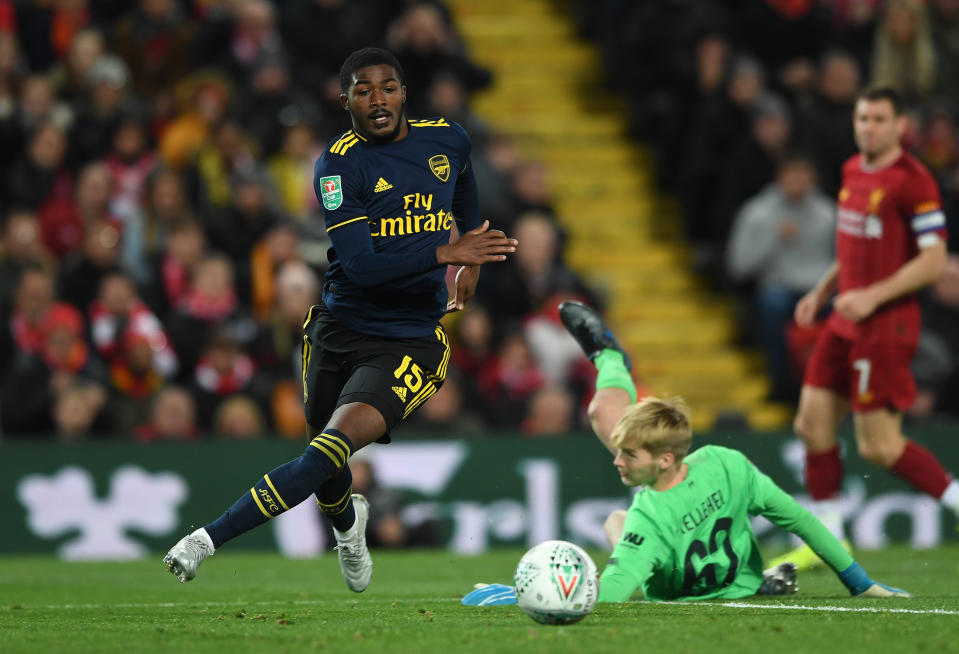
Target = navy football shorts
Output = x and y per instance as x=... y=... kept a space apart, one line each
x=395 y=376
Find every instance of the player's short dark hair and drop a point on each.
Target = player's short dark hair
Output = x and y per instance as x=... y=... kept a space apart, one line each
x=874 y=93
x=368 y=57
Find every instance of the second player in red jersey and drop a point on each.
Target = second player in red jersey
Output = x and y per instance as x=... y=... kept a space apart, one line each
x=886 y=216
x=890 y=242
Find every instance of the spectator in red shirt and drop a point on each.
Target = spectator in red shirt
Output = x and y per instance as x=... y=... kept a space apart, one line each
x=117 y=314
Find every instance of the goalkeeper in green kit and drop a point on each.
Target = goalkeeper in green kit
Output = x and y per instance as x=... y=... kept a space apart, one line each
x=686 y=535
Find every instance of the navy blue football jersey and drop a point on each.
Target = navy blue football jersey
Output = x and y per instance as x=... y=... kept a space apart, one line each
x=387 y=207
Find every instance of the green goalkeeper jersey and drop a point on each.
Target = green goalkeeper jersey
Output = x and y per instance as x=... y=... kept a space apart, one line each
x=694 y=541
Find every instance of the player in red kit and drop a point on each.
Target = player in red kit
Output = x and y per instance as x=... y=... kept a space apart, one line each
x=890 y=242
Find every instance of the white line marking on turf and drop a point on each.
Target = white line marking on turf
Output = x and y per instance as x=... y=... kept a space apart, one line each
x=279 y=604
x=803 y=607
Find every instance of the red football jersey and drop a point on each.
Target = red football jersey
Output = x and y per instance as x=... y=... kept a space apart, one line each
x=885 y=216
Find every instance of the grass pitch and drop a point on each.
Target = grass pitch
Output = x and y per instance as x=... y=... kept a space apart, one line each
x=244 y=602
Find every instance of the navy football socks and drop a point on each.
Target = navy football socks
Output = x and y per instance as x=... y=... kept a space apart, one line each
x=335 y=499
x=288 y=485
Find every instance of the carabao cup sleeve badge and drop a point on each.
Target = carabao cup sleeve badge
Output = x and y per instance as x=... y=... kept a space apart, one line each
x=332 y=192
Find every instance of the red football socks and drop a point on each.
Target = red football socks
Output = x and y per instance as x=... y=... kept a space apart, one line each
x=922 y=470
x=824 y=473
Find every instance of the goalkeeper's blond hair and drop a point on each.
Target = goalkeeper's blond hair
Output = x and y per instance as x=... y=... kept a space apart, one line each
x=657 y=425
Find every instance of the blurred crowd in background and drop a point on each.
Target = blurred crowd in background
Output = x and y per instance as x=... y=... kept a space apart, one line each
x=161 y=240
x=746 y=107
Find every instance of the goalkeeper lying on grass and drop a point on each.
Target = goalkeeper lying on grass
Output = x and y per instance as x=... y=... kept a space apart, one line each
x=687 y=533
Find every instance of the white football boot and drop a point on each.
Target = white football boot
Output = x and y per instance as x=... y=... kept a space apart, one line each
x=186 y=556
x=355 y=561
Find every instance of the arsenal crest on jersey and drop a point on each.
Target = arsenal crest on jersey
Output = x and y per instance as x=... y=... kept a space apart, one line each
x=440 y=166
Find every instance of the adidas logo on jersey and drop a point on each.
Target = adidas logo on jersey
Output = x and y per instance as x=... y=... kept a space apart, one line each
x=381 y=186
x=400 y=392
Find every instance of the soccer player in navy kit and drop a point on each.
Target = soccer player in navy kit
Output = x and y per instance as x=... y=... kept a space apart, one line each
x=373 y=349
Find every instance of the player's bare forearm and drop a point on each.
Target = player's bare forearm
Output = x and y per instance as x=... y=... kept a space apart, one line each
x=476 y=247
x=926 y=267
x=920 y=271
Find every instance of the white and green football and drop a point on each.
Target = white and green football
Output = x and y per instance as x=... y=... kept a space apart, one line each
x=556 y=583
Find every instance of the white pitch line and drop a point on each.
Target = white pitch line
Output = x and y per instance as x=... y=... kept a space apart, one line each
x=838 y=609
x=280 y=604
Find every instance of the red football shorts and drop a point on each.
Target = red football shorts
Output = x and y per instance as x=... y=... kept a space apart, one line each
x=872 y=375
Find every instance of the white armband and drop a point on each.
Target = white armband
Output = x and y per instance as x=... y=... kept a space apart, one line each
x=926 y=226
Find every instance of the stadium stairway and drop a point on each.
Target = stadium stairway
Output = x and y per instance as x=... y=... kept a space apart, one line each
x=623 y=237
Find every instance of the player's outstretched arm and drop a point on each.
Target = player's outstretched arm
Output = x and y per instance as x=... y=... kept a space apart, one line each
x=476 y=247
x=782 y=509
x=860 y=585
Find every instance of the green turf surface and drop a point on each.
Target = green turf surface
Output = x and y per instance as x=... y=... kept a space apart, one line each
x=264 y=603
